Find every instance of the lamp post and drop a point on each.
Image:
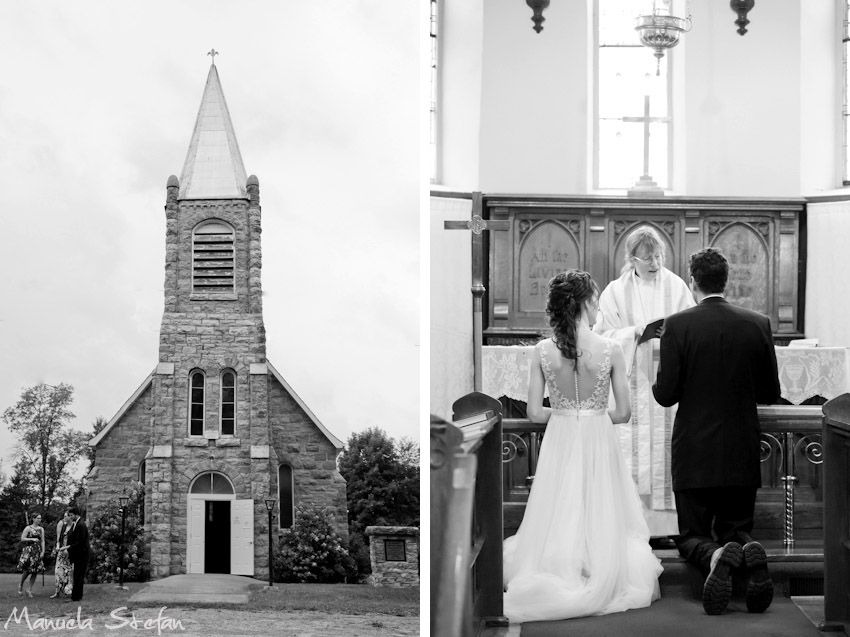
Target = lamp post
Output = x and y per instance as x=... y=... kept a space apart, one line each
x=270 y=507
x=124 y=500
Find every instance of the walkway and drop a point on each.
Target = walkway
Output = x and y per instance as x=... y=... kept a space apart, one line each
x=207 y=588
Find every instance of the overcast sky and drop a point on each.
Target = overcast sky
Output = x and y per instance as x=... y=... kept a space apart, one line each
x=97 y=105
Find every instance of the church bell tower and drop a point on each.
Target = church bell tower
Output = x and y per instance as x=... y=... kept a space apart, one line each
x=211 y=422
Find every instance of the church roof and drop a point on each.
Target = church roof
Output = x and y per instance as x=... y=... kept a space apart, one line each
x=213 y=168
x=336 y=442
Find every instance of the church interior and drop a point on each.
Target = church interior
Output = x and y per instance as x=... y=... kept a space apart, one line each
x=557 y=128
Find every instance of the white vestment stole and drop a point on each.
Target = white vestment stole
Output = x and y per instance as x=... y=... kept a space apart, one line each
x=645 y=439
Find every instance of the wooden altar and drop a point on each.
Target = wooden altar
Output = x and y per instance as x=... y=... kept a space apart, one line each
x=764 y=240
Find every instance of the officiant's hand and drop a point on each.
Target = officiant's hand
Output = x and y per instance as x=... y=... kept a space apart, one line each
x=639 y=329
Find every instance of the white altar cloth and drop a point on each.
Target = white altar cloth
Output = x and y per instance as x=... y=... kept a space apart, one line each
x=804 y=372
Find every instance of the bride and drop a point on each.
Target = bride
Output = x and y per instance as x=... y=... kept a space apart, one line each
x=583 y=545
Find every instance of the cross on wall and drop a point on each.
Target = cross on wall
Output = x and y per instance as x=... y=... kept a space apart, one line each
x=646 y=119
x=478 y=225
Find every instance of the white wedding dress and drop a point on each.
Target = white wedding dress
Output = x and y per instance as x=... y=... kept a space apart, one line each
x=583 y=545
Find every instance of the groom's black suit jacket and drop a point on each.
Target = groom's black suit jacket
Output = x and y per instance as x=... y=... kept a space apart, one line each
x=717 y=362
x=78 y=543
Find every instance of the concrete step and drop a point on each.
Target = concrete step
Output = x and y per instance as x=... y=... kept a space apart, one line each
x=795 y=572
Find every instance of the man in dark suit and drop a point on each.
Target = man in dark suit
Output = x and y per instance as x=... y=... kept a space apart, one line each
x=718 y=362
x=78 y=552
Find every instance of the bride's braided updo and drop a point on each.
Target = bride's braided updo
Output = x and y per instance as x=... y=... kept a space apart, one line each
x=567 y=294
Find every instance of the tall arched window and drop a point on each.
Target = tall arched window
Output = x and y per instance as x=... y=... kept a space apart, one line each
x=845 y=112
x=633 y=100
x=286 y=496
x=212 y=257
x=228 y=403
x=433 y=101
x=196 y=403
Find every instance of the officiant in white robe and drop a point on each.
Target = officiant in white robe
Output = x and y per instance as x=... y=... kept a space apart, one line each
x=644 y=292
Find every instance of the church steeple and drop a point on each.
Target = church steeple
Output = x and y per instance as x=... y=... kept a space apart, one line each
x=213 y=167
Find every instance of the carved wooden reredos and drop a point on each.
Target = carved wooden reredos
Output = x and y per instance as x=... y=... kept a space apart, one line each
x=764 y=240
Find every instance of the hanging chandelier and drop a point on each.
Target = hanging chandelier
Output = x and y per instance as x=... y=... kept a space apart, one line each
x=660 y=31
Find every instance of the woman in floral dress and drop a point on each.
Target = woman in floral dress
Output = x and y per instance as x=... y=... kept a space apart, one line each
x=31 y=562
x=64 y=568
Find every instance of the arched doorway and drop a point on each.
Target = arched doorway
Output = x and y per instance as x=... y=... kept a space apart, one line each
x=220 y=528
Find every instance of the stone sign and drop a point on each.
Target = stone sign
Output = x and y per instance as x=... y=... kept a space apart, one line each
x=548 y=249
x=394 y=551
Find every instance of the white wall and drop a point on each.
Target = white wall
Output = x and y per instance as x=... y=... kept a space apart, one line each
x=827 y=283
x=451 y=306
x=758 y=116
x=459 y=36
x=534 y=99
x=821 y=96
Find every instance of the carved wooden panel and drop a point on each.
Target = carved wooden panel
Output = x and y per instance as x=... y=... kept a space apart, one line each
x=746 y=246
x=546 y=248
x=547 y=235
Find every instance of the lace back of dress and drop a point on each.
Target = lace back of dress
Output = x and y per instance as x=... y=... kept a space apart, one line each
x=599 y=396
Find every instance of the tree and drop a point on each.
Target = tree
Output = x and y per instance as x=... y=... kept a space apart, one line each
x=382 y=487
x=382 y=480
x=16 y=498
x=48 y=446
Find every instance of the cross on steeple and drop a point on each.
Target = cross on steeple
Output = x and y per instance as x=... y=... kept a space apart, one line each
x=213 y=53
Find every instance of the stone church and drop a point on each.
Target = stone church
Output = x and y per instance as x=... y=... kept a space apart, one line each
x=215 y=431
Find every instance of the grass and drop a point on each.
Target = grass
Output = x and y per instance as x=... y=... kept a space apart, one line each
x=345 y=599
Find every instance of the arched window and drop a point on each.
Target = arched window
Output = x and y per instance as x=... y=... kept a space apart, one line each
x=213 y=483
x=212 y=257
x=433 y=100
x=286 y=496
x=196 y=403
x=228 y=403
x=633 y=101
x=845 y=112
x=142 y=465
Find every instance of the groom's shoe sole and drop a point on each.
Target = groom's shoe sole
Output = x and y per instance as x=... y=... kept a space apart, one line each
x=718 y=585
x=759 y=584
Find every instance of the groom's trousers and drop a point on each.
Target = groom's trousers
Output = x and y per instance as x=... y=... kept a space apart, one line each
x=709 y=518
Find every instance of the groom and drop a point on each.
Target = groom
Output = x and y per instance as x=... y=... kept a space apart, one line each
x=718 y=362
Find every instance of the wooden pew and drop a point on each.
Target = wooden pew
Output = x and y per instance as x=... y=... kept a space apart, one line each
x=836 y=515
x=466 y=519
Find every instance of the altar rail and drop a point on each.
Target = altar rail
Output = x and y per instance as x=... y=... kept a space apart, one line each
x=836 y=545
x=791 y=456
x=466 y=518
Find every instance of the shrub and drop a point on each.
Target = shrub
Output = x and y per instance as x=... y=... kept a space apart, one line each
x=313 y=552
x=358 y=548
x=105 y=539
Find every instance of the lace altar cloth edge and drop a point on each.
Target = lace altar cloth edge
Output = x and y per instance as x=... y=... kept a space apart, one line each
x=804 y=372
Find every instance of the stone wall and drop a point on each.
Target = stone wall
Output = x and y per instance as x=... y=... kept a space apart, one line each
x=211 y=332
x=119 y=455
x=393 y=572
x=297 y=441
